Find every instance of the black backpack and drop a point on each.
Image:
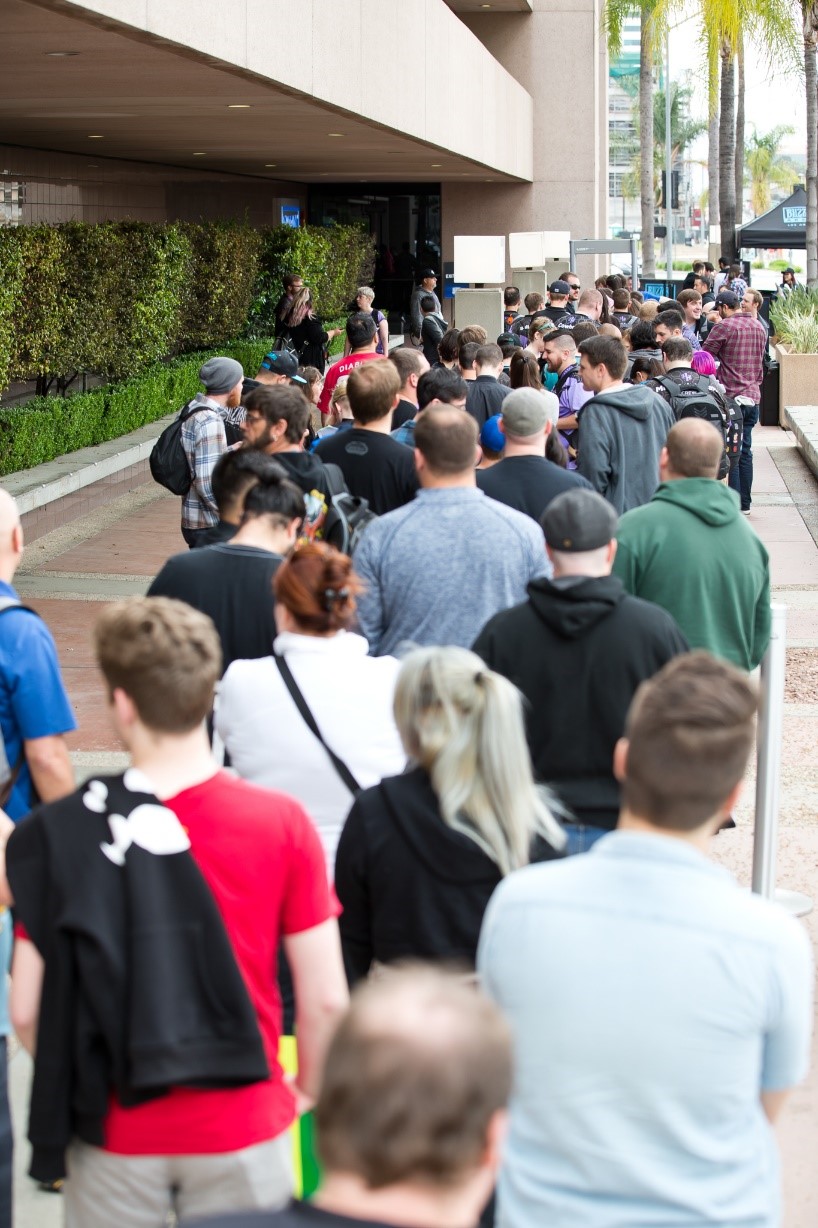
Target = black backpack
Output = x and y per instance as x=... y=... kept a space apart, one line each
x=347 y=515
x=167 y=460
x=696 y=398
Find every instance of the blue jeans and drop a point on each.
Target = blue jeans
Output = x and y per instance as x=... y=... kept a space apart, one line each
x=741 y=476
x=581 y=836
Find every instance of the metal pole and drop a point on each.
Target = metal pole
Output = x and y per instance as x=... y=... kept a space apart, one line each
x=668 y=171
x=768 y=776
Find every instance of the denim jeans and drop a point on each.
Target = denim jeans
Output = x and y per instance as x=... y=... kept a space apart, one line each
x=581 y=836
x=741 y=477
x=6 y=1139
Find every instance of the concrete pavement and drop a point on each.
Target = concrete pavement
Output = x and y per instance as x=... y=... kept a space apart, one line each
x=116 y=550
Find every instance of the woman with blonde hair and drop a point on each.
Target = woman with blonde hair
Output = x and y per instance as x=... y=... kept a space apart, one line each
x=420 y=854
x=305 y=331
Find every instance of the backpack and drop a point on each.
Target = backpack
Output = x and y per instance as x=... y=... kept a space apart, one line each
x=168 y=460
x=347 y=515
x=698 y=399
x=9 y=774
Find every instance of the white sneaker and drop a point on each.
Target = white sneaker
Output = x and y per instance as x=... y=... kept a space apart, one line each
x=745 y=511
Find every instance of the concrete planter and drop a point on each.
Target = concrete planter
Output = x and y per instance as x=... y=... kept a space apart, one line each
x=799 y=380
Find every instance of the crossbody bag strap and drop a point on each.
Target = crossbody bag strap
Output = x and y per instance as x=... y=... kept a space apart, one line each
x=309 y=720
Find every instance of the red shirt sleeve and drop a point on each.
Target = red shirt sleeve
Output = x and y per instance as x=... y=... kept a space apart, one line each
x=308 y=898
x=20 y=931
x=326 y=392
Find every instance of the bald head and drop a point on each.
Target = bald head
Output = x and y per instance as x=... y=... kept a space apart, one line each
x=694 y=449
x=418 y=1051
x=11 y=536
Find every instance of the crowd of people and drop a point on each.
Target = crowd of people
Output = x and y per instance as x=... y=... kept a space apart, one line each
x=443 y=705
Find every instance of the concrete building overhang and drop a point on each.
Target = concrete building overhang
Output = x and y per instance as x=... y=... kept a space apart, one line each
x=259 y=87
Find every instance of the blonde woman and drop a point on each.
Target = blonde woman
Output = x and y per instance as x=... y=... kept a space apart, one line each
x=420 y=854
x=364 y=299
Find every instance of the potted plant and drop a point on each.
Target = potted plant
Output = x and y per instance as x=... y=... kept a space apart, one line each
x=794 y=321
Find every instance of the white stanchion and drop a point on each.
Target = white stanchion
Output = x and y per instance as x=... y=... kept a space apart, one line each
x=768 y=776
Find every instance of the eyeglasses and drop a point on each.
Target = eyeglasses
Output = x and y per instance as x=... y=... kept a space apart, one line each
x=251 y=417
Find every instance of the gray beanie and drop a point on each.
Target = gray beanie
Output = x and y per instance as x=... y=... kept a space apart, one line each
x=220 y=374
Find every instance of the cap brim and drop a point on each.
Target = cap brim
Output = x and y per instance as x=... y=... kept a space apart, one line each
x=298 y=379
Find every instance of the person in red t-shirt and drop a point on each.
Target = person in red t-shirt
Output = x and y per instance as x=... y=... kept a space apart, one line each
x=362 y=337
x=197 y=1151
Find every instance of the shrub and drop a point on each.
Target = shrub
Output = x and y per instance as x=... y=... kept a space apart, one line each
x=332 y=260
x=47 y=427
x=794 y=318
x=40 y=320
x=221 y=277
x=11 y=285
x=780 y=265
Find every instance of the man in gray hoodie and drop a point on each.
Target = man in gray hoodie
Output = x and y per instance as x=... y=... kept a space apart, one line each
x=622 y=429
x=437 y=569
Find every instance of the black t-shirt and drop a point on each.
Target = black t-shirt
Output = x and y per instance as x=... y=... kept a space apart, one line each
x=403 y=411
x=376 y=468
x=231 y=583
x=295 y=1215
x=528 y=483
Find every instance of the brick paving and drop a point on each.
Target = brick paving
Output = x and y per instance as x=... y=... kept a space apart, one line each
x=114 y=551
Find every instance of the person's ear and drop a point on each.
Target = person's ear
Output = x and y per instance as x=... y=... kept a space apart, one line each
x=501 y=426
x=664 y=460
x=613 y=545
x=396 y=400
x=124 y=708
x=620 y=759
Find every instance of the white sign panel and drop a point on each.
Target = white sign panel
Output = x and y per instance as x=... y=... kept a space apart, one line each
x=479 y=258
x=531 y=249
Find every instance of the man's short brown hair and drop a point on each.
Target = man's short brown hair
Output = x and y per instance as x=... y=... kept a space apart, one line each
x=688 y=296
x=372 y=388
x=695 y=448
x=277 y=402
x=165 y=655
x=466 y=354
x=407 y=361
x=691 y=730
x=473 y=333
x=608 y=352
x=489 y=355
x=416 y=1071
x=533 y=301
x=446 y=437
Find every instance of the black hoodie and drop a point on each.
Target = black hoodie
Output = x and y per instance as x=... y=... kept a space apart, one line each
x=411 y=887
x=578 y=649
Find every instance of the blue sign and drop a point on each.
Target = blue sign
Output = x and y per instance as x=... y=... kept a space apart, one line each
x=291 y=215
x=655 y=289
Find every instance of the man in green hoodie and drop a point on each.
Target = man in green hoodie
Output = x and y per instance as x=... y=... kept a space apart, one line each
x=689 y=551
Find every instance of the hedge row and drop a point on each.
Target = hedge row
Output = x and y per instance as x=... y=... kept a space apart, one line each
x=116 y=297
x=47 y=427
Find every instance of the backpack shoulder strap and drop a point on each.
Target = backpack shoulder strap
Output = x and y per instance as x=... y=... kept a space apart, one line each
x=336 y=482
x=310 y=721
x=13 y=603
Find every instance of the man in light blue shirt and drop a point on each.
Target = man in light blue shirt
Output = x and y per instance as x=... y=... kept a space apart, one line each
x=659 y=1012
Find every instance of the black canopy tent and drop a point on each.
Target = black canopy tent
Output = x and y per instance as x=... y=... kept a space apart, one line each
x=784 y=225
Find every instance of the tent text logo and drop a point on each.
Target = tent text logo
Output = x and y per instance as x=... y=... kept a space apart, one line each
x=795 y=216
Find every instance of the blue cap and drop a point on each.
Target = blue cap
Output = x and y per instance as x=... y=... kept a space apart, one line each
x=491 y=436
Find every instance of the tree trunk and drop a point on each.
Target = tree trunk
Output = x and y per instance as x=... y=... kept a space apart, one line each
x=646 y=186
x=713 y=157
x=740 y=137
x=811 y=73
x=727 y=153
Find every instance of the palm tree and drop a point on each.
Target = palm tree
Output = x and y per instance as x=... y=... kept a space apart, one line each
x=740 y=131
x=725 y=23
x=653 y=15
x=809 y=9
x=766 y=166
x=713 y=148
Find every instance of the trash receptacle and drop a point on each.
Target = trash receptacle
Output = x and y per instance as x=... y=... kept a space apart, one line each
x=768 y=415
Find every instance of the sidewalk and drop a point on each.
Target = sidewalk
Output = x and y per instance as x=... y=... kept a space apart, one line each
x=116 y=551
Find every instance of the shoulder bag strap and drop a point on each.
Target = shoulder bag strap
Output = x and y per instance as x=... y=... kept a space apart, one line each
x=309 y=720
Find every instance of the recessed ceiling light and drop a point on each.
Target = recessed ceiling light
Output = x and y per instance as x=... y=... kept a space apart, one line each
x=238 y=106
x=95 y=136
x=271 y=164
x=61 y=55
x=434 y=164
x=323 y=175
x=335 y=134
x=93 y=166
x=199 y=154
x=485 y=6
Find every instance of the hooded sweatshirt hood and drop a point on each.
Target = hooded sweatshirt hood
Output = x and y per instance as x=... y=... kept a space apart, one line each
x=307 y=471
x=634 y=400
x=572 y=611
x=706 y=498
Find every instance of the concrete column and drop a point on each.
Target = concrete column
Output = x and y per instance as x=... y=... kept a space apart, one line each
x=557 y=53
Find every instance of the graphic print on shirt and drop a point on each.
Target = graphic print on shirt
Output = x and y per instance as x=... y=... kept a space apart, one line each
x=150 y=826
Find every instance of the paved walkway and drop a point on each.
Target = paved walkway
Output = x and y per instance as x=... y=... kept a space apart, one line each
x=116 y=551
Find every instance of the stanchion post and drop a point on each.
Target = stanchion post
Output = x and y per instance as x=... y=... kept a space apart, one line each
x=770 y=732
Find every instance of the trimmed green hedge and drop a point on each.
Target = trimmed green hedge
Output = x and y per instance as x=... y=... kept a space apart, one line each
x=116 y=297
x=47 y=427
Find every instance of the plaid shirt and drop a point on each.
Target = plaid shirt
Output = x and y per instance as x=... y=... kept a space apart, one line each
x=738 y=344
x=203 y=440
x=406 y=433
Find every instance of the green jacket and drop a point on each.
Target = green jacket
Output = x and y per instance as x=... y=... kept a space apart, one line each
x=690 y=551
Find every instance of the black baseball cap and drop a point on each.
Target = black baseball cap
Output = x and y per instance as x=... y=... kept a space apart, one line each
x=559 y=288
x=577 y=521
x=726 y=298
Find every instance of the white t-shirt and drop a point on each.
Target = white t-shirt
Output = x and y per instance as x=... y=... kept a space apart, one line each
x=350 y=695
